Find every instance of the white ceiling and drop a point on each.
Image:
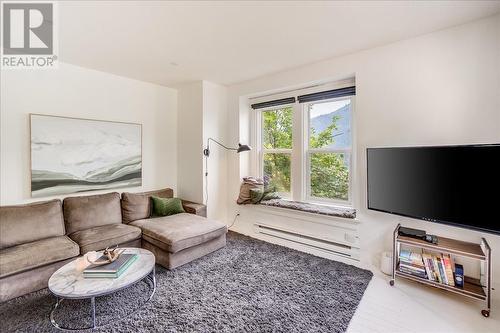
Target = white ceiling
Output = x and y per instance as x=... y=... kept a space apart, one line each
x=228 y=41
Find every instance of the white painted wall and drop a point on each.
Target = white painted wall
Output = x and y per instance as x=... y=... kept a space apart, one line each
x=203 y=115
x=190 y=141
x=437 y=89
x=215 y=126
x=79 y=92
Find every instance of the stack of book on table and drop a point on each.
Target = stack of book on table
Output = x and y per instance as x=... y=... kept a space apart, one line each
x=434 y=267
x=112 y=270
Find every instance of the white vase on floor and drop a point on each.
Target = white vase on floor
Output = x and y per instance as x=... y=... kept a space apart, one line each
x=386 y=263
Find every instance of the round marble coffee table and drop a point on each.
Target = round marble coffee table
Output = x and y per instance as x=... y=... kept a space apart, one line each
x=68 y=282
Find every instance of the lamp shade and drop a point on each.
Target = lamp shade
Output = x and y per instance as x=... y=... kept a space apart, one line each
x=243 y=148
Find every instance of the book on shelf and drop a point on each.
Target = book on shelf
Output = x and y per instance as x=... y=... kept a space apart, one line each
x=441 y=270
x=428 y=266
x=436 y=267
x=437 y=272
x=411 y=257
x=448 y=269
x=111 y=270
x=412 y=267
x=412 y=272
x=433 y=269
x=411 y=263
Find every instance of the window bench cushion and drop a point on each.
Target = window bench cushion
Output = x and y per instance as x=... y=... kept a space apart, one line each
x=348 y=213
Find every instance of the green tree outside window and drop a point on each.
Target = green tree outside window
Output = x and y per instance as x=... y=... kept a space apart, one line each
x=329 y=172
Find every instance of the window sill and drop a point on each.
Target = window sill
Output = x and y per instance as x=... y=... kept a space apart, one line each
x=336 y=211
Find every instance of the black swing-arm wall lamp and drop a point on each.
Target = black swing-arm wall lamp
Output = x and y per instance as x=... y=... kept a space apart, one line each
x=240 y=148
x=206 y=153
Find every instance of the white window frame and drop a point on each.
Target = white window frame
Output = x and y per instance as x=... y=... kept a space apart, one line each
x=308 y=151
x=300 y=178
x=262 y=150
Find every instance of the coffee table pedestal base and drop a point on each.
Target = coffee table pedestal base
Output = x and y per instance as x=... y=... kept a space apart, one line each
x=150 y=277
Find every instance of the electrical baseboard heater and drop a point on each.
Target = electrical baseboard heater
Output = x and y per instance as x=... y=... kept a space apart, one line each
x=309 y=241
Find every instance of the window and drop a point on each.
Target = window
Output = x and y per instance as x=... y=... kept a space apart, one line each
x=329 y=150
x=277 y=148
x=305 y=146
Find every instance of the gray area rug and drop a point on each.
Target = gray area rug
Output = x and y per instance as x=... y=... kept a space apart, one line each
x=249 y=286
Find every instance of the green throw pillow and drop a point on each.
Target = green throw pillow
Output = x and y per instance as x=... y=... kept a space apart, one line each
x=269 y=189
x=256 y=195
x=167 y=206
x=270 y=195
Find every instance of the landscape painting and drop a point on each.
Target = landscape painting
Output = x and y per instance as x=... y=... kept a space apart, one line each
x=70 y=155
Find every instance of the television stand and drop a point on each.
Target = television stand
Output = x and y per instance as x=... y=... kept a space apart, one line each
x=473 y=288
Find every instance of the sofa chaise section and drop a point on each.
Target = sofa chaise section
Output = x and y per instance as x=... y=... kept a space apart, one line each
x=177 y=239
x=178 y=232
x=33 y=245
x=95 y=222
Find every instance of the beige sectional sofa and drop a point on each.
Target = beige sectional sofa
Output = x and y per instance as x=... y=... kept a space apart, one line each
x=38 y=238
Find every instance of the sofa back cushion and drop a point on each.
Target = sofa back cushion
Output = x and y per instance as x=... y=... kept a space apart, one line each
x=137 y=206
x=81 y=213
x=28 y=223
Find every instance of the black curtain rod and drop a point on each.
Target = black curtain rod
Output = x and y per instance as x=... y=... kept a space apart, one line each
x=348 y=91
x=335 y=93
x=275 y=102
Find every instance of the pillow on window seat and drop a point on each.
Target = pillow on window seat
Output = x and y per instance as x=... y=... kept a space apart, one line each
x=270 y=196
x=257 y=195
x=248 y=184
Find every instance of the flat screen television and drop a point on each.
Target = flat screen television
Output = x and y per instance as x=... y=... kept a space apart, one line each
x=456 y=185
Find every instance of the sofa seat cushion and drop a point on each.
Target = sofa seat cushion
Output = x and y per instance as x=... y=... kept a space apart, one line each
x=180 y=231
x=99 y=238
x=20 y=258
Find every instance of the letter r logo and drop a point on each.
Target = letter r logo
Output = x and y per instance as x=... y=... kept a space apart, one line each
x=28 y=28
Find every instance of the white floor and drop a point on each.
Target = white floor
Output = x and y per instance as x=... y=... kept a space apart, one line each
x=411 y=307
